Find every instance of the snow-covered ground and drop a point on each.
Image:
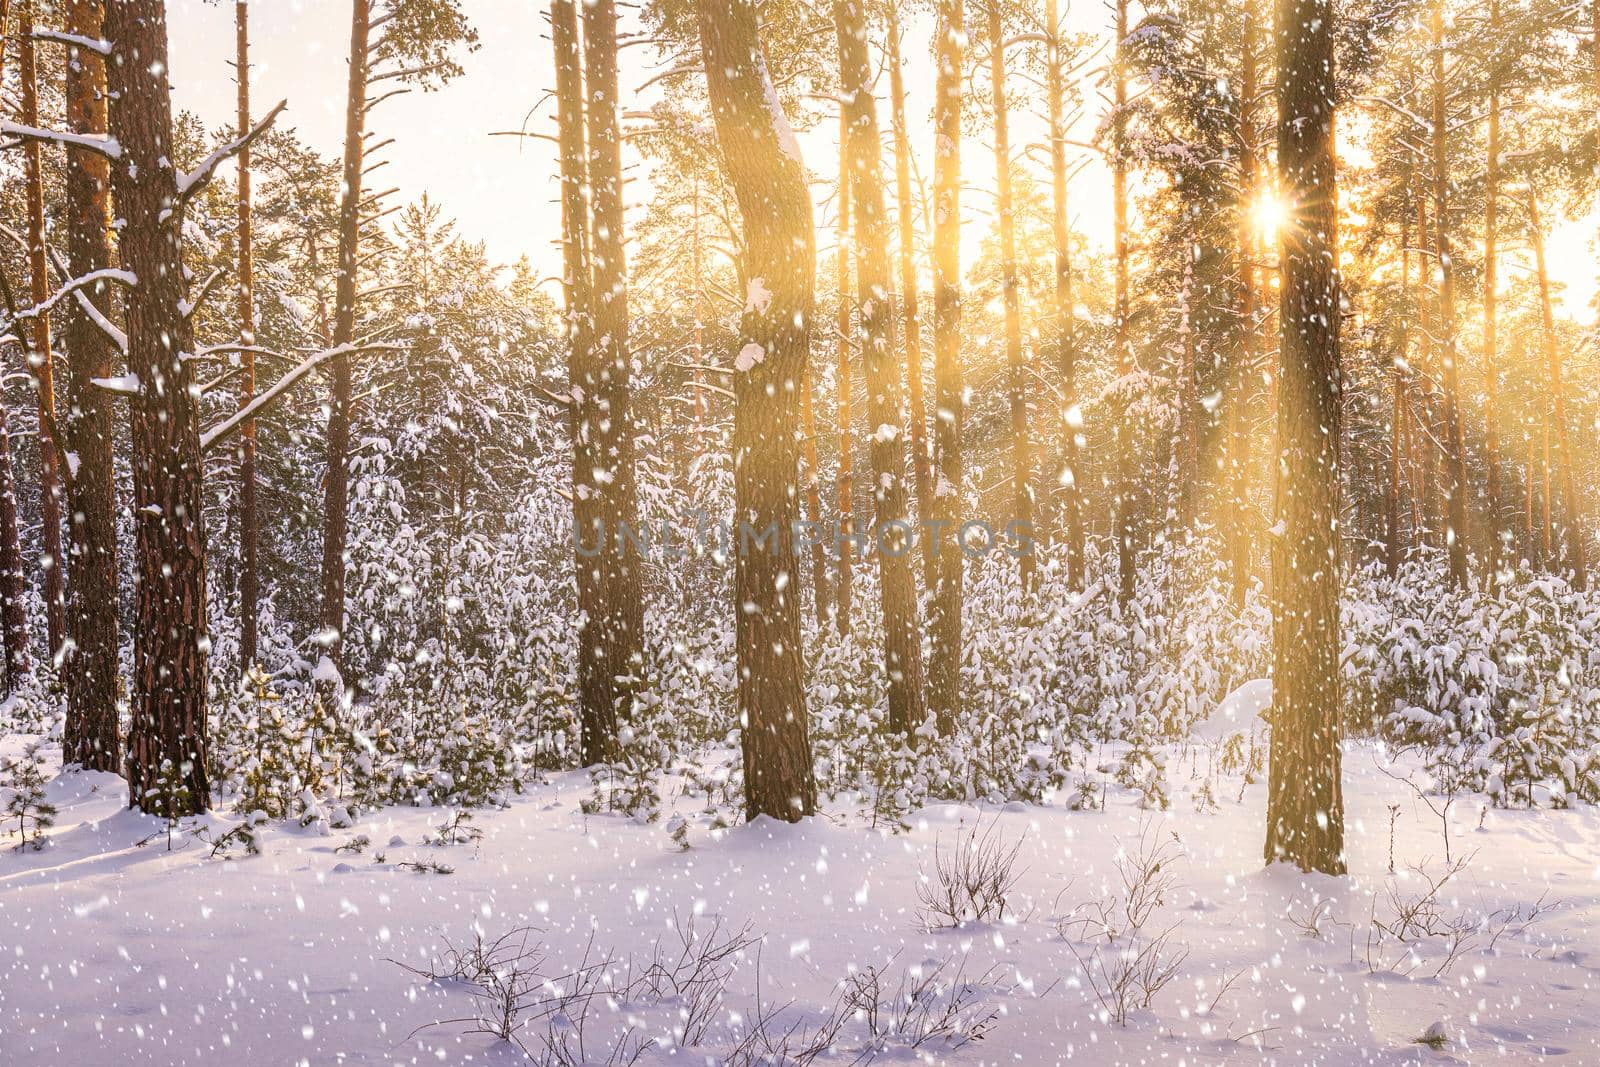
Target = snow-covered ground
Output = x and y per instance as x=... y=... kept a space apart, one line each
x=115 y=948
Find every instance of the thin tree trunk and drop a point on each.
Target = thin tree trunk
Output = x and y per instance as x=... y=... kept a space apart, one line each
x=1016 y=369
x=1188 y=456
x=944 y=669
x=1456 y=531
x=336 y=480
x=1427 y=389
x=167 y=744
x=847 y=446
x=1122 y=341
x=1239 y=548
x=42 y=359
x=623 y=626
x=1577 y=554
x=13 y=608
x=1066 y=340
x=893 y=538
x=1491 y=356
x=597 y=709
x=699 y=352
x=90 y=665
x=908 y=268
x=821 y=592
x=769 y=182
x=1394 y=547
x=249 y=522
x=1305 y=803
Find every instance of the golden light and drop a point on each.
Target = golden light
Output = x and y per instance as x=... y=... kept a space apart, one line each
x=1270 y=214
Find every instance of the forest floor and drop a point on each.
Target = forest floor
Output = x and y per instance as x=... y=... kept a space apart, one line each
x=116 y=948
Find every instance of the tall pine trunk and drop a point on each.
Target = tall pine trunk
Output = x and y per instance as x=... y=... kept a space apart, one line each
x=906 y=213
x=1577 y=560
x=42 y=359
x=249 y=521
x=894 y=539
x=1456 y=532
x=336 y=479
x=945 y=557
x=167 y=744
x=1491 y=281
x=1245 y=356
x=1305 y=802
x=760 y=157
x=1066 y=340
x=597 y=708
x=1394 y=546
x=1016 y=369
x=847 y=445
x=1122 y=341
x=623 y=624
x=90 y=665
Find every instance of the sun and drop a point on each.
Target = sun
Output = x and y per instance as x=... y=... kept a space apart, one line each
x=1270 y=214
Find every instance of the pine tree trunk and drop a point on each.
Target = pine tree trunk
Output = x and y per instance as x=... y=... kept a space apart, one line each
x=1244 y=369
x=167 y=744
x=821 y=592
x=90 y=666
x=13 y=609
x=945 y=557
x=597 y=708
x=1305 y=804
x=249 y=521
x=1066 y=326
x=894 y=538
x=1188 y=456
x=1123 y=342
x=1016 y=369
x=623 y=626
x=42 y=360
x=1577 y=561
x=1394 y=547
x=908 y=268
x=336 y=479
x=1456 y=532
x=769 y=183
x=1491 y=369
x=847 y=445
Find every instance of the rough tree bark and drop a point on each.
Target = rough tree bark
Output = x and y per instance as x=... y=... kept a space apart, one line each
x=249 y=521
x=597 y=708
x=336 y=479
x=167 y=743
x=1305 y=803
x=1491 y=282
x=1244 y=369
x=41 y=358
x=908 y=268
x=1456 y=533
x=1065 y=324
x=893 y=538
x=762 y=161
x=90 y=664
x=1123 y=342
x=1016 y=369
x=944 y=668
x=1577 y=560
x=844 y=588
x=623 y=624
x=1394 y=546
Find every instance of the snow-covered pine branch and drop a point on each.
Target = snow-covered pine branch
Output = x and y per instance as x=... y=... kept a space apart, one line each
x=98 y=45
x=87 y=306
x=193 y=181
x=212 y=437
x=111 y=274
x=106 y=146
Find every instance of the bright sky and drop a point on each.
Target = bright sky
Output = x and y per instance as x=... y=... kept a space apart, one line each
x=501 y=190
